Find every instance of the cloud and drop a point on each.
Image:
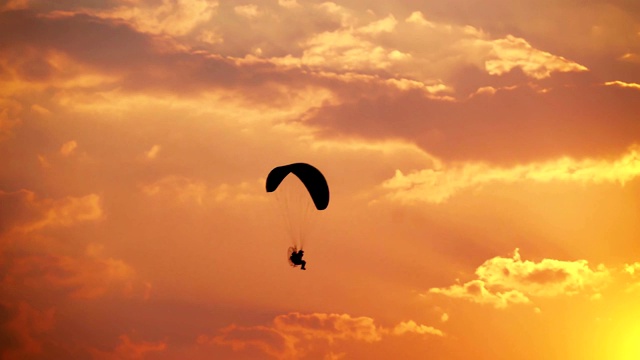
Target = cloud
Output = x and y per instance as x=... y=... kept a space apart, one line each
x=288 y=3
x=344 y=50
x=398 y=48
x=548 y=278
x=130 y=58
x=329 y=327
x=444 y=317
x=384 y=25
x=183 y=189
x=357 y=46
x=170 y=17
x=477 y=292
x=633 y=270
x=264 y=339
x=25 y=328
x=296 y=335
x=249 y=11
x=40 y=110
x=129 y=349
x=23 y=211
x=153 y=152
x=417 y=17
x=377 y=85
x=15 y=5
x=623 y=84
x=174 y=114
x=412 y=327
x=506 y=126
x=35 y=262
x=512 y=52
x=346 y=16
x=31 y=69
x=504 y=281
x=10 y=111
x=630 y=57
x=65 y=212
x=89 y=276
x=599 y=27
x=68 y=148
x=438 y=184
x=371 y=48
x=339 y=45
x=138 y=61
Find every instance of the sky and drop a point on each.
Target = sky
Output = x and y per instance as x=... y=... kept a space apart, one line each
x=483 y=159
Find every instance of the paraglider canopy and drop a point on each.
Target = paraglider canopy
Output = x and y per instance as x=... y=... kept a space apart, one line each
x=311 y=177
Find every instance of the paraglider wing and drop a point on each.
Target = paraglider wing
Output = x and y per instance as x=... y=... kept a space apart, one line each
x=311 y=177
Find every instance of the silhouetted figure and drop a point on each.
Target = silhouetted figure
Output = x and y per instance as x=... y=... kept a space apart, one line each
x=296 y=259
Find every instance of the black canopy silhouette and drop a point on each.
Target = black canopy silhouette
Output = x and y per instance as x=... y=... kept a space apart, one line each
x=311 y=177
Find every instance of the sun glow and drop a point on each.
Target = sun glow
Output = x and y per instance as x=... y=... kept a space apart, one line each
x=627 y=344
x=622 y=335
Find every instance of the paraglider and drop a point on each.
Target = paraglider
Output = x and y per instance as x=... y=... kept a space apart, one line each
x=298 y=203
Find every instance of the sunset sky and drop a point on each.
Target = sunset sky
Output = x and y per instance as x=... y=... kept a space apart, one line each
x=483 y=159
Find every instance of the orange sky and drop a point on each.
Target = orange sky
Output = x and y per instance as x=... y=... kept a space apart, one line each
x=483 y=159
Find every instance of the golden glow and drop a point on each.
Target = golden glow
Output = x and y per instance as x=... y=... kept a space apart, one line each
x=623 y=84
x=485 y=184
x=621 y=340
x=440 y=183
x=516 y=52
x=629 y=348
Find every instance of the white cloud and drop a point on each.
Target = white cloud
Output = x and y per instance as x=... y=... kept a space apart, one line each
x=502 y=281
x=412 y=327
x=547 y=277
x=512 y=52
x=476 y=291
x=439 y=183
x=623 y=84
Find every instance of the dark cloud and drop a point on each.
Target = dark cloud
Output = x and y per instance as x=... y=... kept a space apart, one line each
x=144 y=62
x=15 y=209
x=63 y=5
x=24 y=330
x=509 y=126
x=87 y=39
